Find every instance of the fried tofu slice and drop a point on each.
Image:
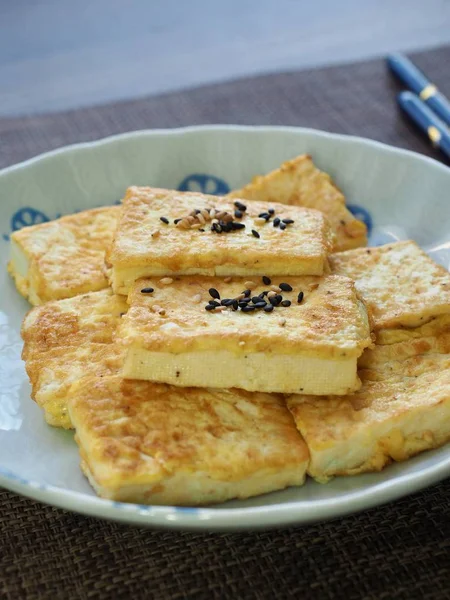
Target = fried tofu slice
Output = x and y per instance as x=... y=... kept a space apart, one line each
x=156 y=444
x=401 y=286
x=299 y=182
x=157 y=235
x=67 y=340
x=402 y=408
x=171 y=334
x=63 y=258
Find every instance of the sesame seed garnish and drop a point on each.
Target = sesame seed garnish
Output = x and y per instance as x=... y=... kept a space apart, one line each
x=287 y=221
x=282 y=322
x=221 y=308
x=162 y=311
x=237 y=226
x=228 y=279
x=250 y=285
x=238 y=214
x=275 y=300
x=247 y=293
x=235 y=305
x=201 y=218
x=260 y=304
x=202 y=230
x=264 y=215
x=164 y=220
x=240 y=206
x=272 y=294
x=210 y=307
x=263 y=294
x=147 y=290
x=155 y=308
x=260 y=221
x=176 y=221
x=197 y=298
x=266 y=280
x=243 y=303
x=268 y=308
x=256 y=299
x=196 y=226
x=227 y=301
x=286 y=303
x=205 y=214
x=285 y=287
x=271 y=211
x=214 y=293
x=214 y=303
x=276 y=222
x=248 y=308
x=166 y=280
x=255 y=233
x=300 y=297
x=156 y=234
x=275 y=288
x=282 y=226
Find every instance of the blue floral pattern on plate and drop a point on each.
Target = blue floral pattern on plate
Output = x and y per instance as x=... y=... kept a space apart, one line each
x=204 y=183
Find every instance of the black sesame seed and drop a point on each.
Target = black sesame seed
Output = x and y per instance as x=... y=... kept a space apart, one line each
x=283 y=226
x=214 y=293
x=260 y=304
x=255 y=233
x=268 y=308
x=177 y=221
x=286 y=303
x=256 y=299
x=147 y=290
x=197 y=211
x=202 y=230
x=276 y=222
x=271 y=211
x=285 y=287
x=227 y=302
x=218 y=227
x=300 y=297
x=214 y=303
x=242 y=303
x=263 y=294
x=275 y=300
x=248 y=308
x=226 y=227
x=210 y=307
x=235 y=305
x=247 y=293
x=264 y=215
x=237 y=226
x=164 y=220
x=266 y=280
x=240 y=206
x=238 y=214
x=288 y=221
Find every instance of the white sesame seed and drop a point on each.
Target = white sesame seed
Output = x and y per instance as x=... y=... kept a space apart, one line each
x=271 y=294
x=197 y=225
x=156 y=234
x=260 y=221
x=275 y=288
x=197 y=298
x=166 y=280
x=205 y=214
x=250 y=285
x=155 y=308
x=228 y=279
x=282 y=322
x=201 y=218
x=162 y=312
x=212 y=213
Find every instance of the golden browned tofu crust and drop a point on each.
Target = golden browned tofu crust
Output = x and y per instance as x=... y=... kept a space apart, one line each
x=402 y=408
x=66 y=340
x=400 y=285
x=144 y=245
x=152 y=443
x=330 y=321
x=299 y=182
x=63 y=258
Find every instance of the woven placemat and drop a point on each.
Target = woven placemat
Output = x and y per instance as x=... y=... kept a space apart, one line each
x=397 y=551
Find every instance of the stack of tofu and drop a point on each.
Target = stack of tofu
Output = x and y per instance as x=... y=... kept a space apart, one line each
x=206 y=348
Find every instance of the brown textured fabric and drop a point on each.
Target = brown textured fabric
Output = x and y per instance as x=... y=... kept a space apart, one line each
x=393 y=552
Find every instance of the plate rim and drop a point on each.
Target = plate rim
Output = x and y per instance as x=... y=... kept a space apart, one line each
x=227 y=519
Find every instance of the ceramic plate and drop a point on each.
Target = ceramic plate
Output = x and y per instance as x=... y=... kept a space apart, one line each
x=399 y=195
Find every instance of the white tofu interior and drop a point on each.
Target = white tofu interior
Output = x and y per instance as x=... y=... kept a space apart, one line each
x=283 y=373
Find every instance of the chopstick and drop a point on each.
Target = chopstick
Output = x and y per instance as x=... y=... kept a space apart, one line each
x=427 y=121
x=416 y=81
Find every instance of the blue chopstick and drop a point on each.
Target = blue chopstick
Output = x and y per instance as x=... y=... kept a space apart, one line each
x=425 y=118
x=416 y=81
